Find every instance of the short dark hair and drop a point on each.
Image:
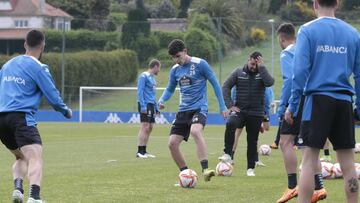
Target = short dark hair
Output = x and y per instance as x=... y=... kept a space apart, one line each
x=153 y=63
x=328 y=3
x=34 y=38
x=176 y=46
x=255 y=55
x=287 y=30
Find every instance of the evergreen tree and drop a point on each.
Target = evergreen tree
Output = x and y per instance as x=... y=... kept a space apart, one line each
x=99 y=11
x=184 y=6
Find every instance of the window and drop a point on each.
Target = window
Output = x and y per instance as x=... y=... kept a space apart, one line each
x=21 y=23
x=60 y=25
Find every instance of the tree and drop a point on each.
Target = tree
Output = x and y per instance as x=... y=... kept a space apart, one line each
x=184 y=6
x=275 y=5
x=136 y=24
x=350 y=4
x=223 y=14
x=165 y=10
x=99 y=11
x=79 y=9
x=140 y=4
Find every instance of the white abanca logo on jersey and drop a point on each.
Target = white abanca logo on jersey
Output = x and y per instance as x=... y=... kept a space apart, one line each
x=17 y=80
x=331 y=49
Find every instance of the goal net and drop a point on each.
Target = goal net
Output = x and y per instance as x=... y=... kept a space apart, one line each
x=117 y=104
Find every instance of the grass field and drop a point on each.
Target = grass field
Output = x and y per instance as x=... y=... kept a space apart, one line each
x=96 y=163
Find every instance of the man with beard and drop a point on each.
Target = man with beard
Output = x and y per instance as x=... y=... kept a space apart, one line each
x=248 y=109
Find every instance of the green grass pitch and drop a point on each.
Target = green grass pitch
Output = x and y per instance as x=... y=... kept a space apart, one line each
x=96 y=163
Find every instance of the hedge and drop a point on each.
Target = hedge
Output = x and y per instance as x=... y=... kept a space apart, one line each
x=90 y=68
x=80 y=40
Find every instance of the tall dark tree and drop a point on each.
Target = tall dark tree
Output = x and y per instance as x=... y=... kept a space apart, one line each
x=140 y=4
x=136 y=25
x=184 y=6
x=99 y=11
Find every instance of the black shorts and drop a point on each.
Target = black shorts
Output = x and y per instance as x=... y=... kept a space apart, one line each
x=14 y=133
x=294 y=129
x=240 y=119
x=149 y=116
x=330 y=118
x=183 y=121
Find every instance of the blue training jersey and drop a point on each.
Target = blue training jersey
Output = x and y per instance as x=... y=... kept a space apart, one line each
x=327 y=53
x=286 y=63
x=146 y=92
x=192 y=78
x=23 y=81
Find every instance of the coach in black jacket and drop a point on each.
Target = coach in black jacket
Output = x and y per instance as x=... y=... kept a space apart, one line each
x=248 y=109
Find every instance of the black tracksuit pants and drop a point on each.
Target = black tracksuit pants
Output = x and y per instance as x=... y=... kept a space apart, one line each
x=252 y=124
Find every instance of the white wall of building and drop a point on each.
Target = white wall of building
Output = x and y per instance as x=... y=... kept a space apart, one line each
x=6 y=22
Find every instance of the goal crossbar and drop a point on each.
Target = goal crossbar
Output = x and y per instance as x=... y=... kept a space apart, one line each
x=103 y=88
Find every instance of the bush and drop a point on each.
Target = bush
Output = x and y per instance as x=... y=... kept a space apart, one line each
x=165 y=38
x=204 y=23
x=80 y=40
x=91 y=68
x=201 y=44
x=146 y=47
x=165 y=9
x=163 y=56
x=118 y=18
x=297 y=13
x=257 y=34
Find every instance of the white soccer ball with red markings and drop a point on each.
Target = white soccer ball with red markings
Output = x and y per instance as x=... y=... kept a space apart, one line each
x=264 y=149
x=188 y=178
x=224 y=169
x=357 y=169
x=327 y=169
x=357 y=148
x=337 y=173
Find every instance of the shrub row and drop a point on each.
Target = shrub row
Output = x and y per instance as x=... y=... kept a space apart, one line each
x=80 y=40
x=91 y=68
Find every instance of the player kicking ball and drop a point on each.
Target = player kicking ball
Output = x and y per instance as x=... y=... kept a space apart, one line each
x=191 y=73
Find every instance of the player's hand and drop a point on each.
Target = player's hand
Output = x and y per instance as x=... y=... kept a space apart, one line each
x=235 y=109
x=225 y=114
x=289 y=117
x=157 y=113
x=161 y=106
x=265 y=126
x=68 y=114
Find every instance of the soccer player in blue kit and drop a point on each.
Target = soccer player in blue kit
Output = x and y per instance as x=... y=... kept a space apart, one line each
x=23 y=81
x=191 y=73
x=327 y=53
x=147 y=106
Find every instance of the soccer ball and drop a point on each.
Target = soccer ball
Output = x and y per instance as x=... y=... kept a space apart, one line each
x=326 y=169
x=357 y=169
x=188 y=178
x=224 y=169
x=357 y=148
x=264 y=149
x=337 y=173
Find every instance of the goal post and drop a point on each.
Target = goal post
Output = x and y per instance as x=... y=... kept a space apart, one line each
x=129 y=94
